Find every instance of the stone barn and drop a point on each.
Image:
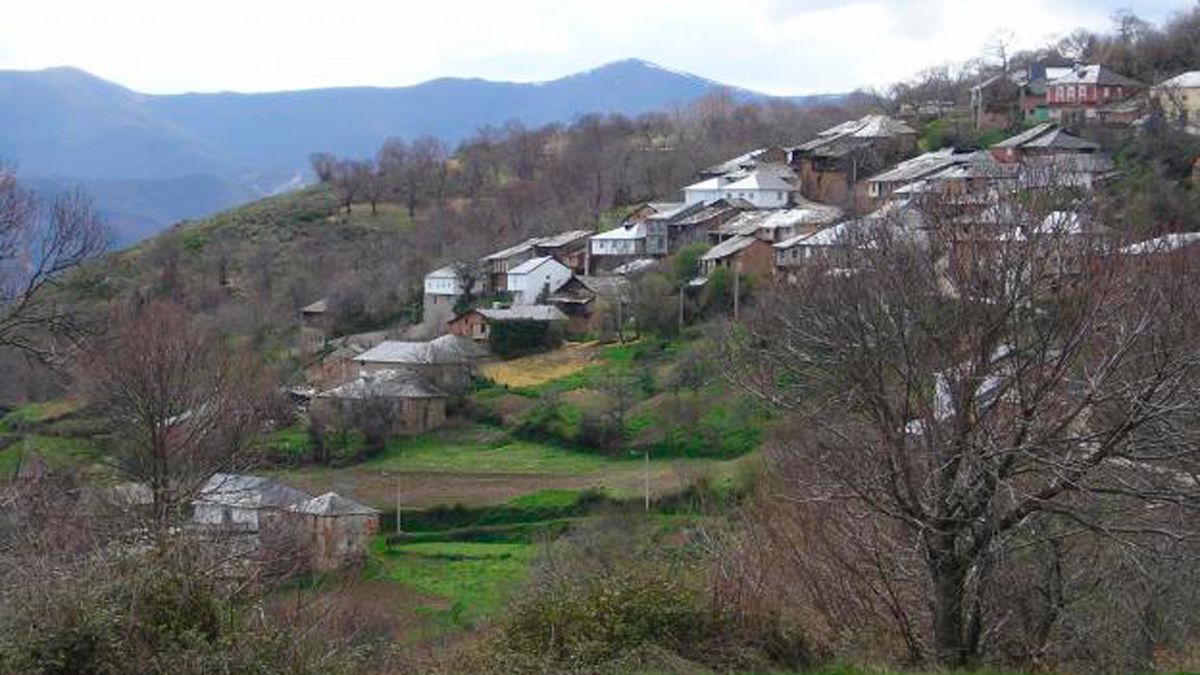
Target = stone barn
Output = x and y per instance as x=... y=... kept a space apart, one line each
x=338 y=528
x=396 y=401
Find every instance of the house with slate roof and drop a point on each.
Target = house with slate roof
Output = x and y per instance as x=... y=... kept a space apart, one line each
x=448 y=362
x=831 y=167
x=395 y=401
x=339 y=529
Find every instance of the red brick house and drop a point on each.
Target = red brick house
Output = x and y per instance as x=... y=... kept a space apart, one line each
x=1088 y=94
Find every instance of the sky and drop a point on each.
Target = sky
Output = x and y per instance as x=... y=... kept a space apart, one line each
x=773 y=46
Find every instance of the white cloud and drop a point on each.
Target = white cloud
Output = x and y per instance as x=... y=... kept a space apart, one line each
x=771 y=45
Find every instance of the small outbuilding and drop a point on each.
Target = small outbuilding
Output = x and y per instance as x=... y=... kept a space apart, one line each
x=339 y=529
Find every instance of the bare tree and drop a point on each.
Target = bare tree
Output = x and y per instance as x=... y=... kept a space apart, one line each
x=351 y=178
x=40 y=243
x=181 y=404
x=973 y=393
x=324 y=166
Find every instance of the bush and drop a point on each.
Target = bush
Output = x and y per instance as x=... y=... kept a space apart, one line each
x=517 y=338
x=622 y=604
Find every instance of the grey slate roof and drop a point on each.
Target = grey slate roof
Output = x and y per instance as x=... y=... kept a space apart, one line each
x=445 y=350
x=319 y=307
x=524 y=313
x=729 y=247
x=331 y=504
x=920 y=166
x=1048 y=135
x=391 y=383
x=247 y=491
x=1095 y=74
x=563 y=238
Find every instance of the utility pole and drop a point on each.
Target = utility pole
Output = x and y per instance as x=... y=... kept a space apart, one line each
x=681 y=287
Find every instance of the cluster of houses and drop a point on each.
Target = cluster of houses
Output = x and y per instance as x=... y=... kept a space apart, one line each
x=1057 y=90
x=319 y=533
x=763 y=214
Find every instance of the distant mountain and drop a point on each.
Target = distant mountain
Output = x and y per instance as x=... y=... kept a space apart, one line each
x=152 y=159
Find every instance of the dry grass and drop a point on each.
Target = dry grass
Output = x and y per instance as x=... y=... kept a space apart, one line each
x=530 y=371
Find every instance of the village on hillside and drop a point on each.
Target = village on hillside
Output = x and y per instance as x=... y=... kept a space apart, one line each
x=603 y=392
x=760 y=216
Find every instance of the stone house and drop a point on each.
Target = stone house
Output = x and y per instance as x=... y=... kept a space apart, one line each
x=448 y=362
x=339 y=529
x=746 y=255
x=239 y=501
x=395 y=401
x=830 y=168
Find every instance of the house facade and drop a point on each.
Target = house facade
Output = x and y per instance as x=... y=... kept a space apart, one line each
x=768 y=186
x=831 y=167
x=746 y=255
x=1090 y=94
x=443 y=288
x=339 y=529
x=448 y=362
x=1179 y=98
x=399 y=398
x=535 y=278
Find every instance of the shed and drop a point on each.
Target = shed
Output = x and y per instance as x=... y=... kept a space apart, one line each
x=339 y=528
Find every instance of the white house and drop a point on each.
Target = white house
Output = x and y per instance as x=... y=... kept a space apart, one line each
x=529 y=280
x=626 y=240
x=706 y=191
x=443 y=282
x=766 y=187
x=442 y=290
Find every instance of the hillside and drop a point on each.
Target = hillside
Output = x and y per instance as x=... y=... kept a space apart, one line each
x=64 y=126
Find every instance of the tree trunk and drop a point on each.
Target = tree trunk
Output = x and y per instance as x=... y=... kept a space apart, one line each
x=948 y=574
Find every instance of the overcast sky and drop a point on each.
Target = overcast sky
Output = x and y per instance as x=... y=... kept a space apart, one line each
x=775 y=46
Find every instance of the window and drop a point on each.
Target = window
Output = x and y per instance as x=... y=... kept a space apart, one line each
x=1070 y=93
x=1058 y=93
x=1106 y=92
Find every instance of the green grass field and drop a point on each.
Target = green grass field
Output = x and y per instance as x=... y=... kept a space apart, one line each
x=474 y=578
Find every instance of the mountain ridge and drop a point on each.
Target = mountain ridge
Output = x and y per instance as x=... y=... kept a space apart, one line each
x=63 y=125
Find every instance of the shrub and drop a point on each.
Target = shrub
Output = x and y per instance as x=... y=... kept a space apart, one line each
x=517 y=338
x=620 y=603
